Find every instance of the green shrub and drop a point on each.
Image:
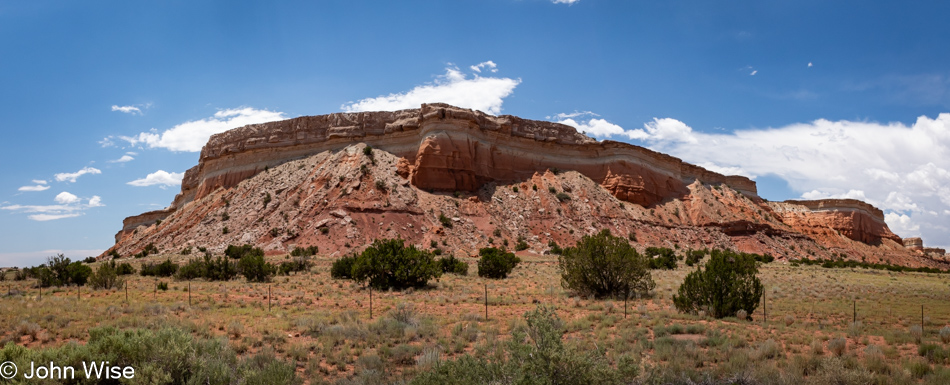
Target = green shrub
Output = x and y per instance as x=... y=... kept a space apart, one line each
x=521 y=245
x=445 y=221
x=164 y=269
x=123 y=268
x=163 y=286
x=453 y=265
x=309 y=251
x=535 y=354
x=163 y=356
x=149 y=249
x=496 y=263
x=238 y=252
x=105 y=277
x=212 y=269
x=726 y=284
x=661 y=258
x=301 y=263
x=388 y=263
x=562 y=196
x=343 y=268
x=604 y=265
x=253 y=267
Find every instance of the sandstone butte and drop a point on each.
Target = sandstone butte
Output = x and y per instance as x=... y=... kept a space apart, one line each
x=464 y=179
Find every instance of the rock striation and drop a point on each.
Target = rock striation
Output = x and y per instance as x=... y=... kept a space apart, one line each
x=489 y=174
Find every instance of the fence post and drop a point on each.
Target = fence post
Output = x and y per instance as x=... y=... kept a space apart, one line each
x=486 y=302
x=126 y=291
x=268 y=298
x=370 y=302
x=189 y=293
x=854 y=320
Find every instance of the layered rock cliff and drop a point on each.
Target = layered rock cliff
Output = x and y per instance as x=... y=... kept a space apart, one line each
x=491 y=175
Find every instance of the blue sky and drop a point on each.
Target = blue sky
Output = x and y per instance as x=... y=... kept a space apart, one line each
x=811 y=98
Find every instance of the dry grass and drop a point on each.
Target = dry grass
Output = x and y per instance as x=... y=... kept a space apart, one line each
x=325 y=326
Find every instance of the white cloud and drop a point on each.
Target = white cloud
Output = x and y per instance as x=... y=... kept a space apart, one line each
x=123 y=159
x=809 y=65
x=568 y=2
x=39 y=181
x=161 y=178
x=72 y=176
x=753 y=72
x=69 y=206
x=191 y=136
x=66 y=198
x=127 y=109
x=486 y=64
x=38 y=187
x=903 y=169
x=454 y=87
x=52 y=217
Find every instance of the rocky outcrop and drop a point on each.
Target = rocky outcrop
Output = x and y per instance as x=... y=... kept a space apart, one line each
x=538 y=180
x=914 y=243
x=832 y=218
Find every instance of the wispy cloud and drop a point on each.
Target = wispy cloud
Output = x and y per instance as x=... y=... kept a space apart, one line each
x=127 y=109
x=69 y=206
x=38 y=187
x=160 y=178
x=123 y=159
x=454 y=87
x=490 y=65
x=72 y=176
x=191 y=136
x=568 y=2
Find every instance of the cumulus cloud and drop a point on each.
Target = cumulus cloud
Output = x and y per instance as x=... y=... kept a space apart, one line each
x=161 y=178
x=127 y=109
x=454 y=87
x=123 y=159
x=66 y=198
x=903 y=169
x=191 y=136
x=68 y=206
x=72 y=176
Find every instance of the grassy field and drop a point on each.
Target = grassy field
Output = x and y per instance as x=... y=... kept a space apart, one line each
x=325 y=326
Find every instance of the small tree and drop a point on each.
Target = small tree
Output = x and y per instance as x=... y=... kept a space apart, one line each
x=388 y=263
x=343 y=268
x=453 y=265
x=604 y=265
x=496 y=263
x=105 y=277
x=727 y=284
x=255 y=269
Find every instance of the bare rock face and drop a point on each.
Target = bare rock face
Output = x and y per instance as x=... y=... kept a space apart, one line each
x=915 y=243
x=307 y=181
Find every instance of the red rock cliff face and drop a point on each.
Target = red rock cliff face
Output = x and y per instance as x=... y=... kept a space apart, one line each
x=451 y=149
x=831 y=218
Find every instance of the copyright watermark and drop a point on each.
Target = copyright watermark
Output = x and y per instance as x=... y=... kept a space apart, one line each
x=7 y=370
x=100 y=370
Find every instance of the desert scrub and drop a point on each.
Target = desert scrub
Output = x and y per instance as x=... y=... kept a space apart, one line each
x=167 y=355
x=838 y=346
x=453 y=265
x=535 y=354
x=496 y=263
x=725 y=285
x=604 y=265
x=388 y=263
